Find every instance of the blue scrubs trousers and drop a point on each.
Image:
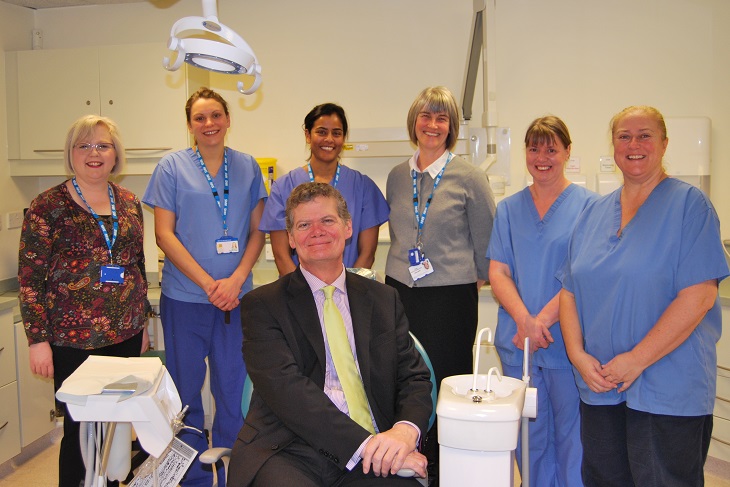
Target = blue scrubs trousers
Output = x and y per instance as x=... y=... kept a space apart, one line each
x=194 y=331
x=555 y=446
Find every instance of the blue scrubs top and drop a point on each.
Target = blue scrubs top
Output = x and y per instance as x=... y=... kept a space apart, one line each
x=178 y=185
x=364 y=199
x=622 y=285
x=534 y=250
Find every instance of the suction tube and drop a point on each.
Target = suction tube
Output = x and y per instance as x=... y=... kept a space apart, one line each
x=524 y=429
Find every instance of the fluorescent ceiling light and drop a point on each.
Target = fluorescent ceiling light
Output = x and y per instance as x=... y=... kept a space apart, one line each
x=208 y=44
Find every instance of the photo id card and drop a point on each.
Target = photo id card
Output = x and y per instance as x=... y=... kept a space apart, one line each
x=226 y=245
x=112 y=274
x=421 y=270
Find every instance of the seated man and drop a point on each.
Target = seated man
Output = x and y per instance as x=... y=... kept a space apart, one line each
x=310 y=422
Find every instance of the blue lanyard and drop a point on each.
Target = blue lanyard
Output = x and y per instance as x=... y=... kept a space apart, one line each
x=224 y=208
x=311 y=174
x=115 y=220
x=421 y=217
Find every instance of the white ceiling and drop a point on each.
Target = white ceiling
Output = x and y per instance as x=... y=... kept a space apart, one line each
x=36 y=4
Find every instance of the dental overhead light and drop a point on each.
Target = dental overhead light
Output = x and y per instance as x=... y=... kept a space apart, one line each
x=208 y=44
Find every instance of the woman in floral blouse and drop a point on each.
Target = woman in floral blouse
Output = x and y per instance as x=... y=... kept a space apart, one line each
x=83 y=289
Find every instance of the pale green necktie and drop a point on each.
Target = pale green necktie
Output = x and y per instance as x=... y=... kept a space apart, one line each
x=357 y=401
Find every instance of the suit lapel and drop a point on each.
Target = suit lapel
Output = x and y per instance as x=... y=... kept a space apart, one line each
x=361 y=311
x=304 y=312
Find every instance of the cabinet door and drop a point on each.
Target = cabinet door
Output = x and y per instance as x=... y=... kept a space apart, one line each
x=146 y=100
x=55 y=87
x=36 y=395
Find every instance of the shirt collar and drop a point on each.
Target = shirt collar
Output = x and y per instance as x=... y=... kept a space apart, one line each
x=316 y=284
x=434 y=168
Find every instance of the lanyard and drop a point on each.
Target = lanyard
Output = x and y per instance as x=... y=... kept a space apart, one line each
x=115 y=220
x=421 y=218
x=311 y=174
x=224 y=208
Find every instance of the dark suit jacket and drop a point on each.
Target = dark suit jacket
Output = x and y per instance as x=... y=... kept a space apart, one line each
x=283 y=347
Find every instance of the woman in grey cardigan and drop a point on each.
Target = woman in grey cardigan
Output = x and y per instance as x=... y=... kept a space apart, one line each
x=441 y=213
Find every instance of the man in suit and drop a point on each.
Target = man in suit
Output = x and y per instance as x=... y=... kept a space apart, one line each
x=298 y=431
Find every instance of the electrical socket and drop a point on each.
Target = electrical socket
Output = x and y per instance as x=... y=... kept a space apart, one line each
x=15 y=219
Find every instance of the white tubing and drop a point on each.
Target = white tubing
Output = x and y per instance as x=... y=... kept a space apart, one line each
x=476 y=355
x=524 y=430
x=88 y=446
x=119 y=462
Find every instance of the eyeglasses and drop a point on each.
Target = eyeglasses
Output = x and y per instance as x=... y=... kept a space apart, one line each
x=101 y=148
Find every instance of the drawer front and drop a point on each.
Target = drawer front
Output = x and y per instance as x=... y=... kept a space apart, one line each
x=720 y=444
x=722 y=401
x=7 y=355
x=9 y=422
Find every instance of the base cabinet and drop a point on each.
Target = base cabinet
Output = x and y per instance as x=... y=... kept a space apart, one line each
x=720 y=445
x=35 y=394
x=9 y=421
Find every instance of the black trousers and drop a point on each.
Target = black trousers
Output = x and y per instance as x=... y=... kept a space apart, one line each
x=623 y=447
x=298 y=464
x=66 y=360
x=444 y=319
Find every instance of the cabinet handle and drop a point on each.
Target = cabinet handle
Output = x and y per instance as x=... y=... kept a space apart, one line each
x=3 y=426
x=723 y=368
x=147 y=148
x=720 y=441
x=720 y=398
x=2 y=348
x=111 y=102
x=88 y=102
x=125 y=150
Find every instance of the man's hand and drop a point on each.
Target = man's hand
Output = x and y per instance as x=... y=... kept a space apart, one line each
x=387 y=452
x=417 y=462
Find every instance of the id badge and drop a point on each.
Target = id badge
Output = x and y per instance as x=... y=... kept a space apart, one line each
x=421 y=270
x=226 y=245
x=112 y=274
x=415 y=256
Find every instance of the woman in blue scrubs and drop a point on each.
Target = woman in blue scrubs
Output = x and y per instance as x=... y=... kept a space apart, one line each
x=641 y=317
x=528 y=245
x=325 y=130
x=208 y=200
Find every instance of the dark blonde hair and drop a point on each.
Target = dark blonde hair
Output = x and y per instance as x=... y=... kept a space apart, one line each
x=82 y=129
x=306 y=192
x=646 y=110
x=434 y=100
x=208 y=94
x=545 y=130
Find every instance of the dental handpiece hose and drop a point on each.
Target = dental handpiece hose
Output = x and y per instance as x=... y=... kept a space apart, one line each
x=525 y=429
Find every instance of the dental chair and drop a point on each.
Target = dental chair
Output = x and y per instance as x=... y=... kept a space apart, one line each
x=214 y=455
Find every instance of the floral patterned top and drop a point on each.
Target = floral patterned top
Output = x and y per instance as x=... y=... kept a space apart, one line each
x=62 y=249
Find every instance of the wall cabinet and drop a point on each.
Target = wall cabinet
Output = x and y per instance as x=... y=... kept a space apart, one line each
x=127 y=83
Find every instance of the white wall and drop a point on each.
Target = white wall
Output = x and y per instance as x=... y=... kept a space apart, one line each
x=16 y=24
x=581 y=60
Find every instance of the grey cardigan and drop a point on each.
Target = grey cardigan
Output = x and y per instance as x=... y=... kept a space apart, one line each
x=457 y=228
